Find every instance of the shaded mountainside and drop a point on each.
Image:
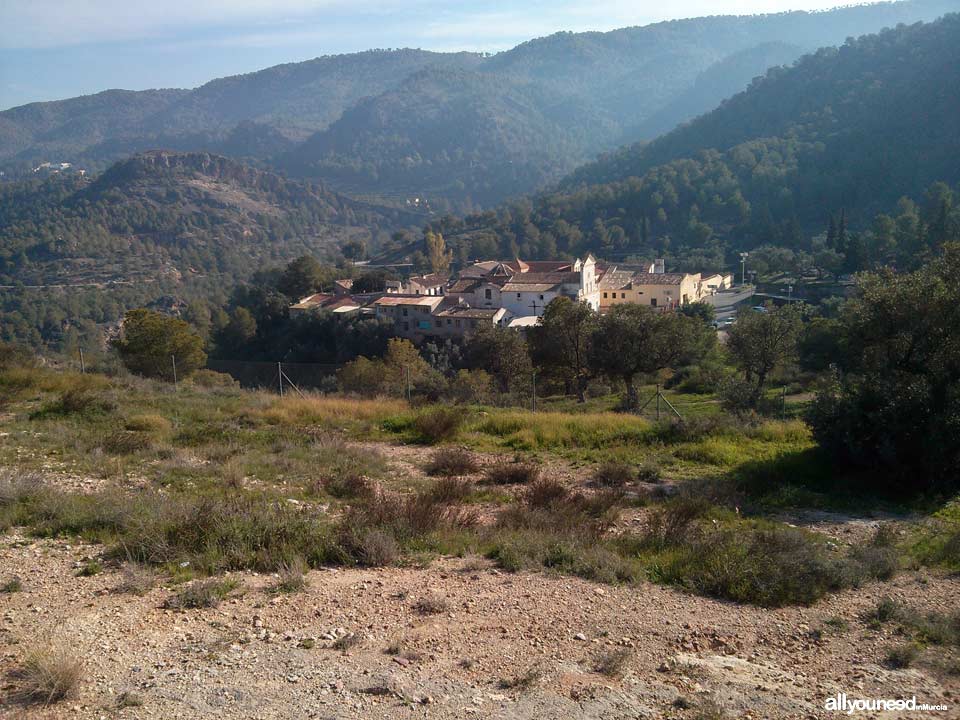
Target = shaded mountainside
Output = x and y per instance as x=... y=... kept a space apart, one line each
x=286 y=101
x=846 y=132
x=491 y=126
x=176 y=214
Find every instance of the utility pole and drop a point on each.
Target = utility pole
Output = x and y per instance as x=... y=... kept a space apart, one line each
x=173 y=360
x=789 y=293
x=743 y=267
x=280 y=377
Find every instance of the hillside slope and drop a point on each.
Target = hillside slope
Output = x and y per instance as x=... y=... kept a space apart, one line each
x=574 y=95
x=847 y=130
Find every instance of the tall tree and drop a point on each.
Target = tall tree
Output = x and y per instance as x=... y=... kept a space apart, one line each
x=437 y=254
x=633 y=340
x=561 y=342
x=152 y=344
x=760 y=342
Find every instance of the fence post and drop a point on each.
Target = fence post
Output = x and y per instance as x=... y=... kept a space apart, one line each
x=658 y=403
x=406 y=374
x=83 y=368
x=173 y=360
x=280 y=378
x=534 y=391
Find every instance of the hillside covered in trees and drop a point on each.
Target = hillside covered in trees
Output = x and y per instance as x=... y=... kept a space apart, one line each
x=462 y=131
x=161 y=227
x=833 y=141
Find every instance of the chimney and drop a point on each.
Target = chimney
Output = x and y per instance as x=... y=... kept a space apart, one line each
x=658 y=266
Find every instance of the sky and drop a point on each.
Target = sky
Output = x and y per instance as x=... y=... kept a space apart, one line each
x=53 y=49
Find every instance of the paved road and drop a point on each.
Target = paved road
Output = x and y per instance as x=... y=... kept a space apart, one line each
x=725 y=303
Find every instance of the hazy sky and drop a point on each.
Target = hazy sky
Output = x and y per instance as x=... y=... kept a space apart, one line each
x=51 y=49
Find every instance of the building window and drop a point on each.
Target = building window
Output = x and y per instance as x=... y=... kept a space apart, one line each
x=518 y=296
x=541 y=297
x=438 y=323
x=404 y=312
x=653 y=302
x=623 y=295
x=458 y=322
x=406 y=326
x=488 y=294
x=604 y=295
x=449 y=321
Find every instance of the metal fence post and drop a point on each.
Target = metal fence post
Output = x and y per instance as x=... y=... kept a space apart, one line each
x=173 y=360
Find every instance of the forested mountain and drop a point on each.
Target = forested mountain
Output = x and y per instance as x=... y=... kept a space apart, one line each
x=844 y=134
x=491 y=126
x=287 y=101
x=160 y=225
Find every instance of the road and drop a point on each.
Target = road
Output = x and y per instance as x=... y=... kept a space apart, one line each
x=725 y=303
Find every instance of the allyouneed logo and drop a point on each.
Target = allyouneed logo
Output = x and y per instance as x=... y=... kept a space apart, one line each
x=841 y=703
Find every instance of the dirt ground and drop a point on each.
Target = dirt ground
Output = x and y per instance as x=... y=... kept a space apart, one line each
x=517 y=646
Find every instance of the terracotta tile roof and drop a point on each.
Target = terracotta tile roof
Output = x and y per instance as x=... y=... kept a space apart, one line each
x=527 y=287
x=465 y=311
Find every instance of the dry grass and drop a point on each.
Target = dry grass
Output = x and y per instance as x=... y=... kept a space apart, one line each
x=525 y=681
x=201 y=594
x=47 y=676
x=329 y=411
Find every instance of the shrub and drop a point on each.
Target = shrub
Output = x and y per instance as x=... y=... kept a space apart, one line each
x=349 y=486
x=47 y=676
x=128 y=699
x=374 y=548
x=451 y=490
x=545 y=493
x=432 y=605
x=85 y=398
x=512 y=473
x=614 y=664
x=673 y=523
x=212 y=379
x=710 y=709
x=291 y=577
x=136 y=579
x=347 y=642
x=525 y=681
x=648 y=472
x=902 y=656
x=89 y=569
x=405 y=517
x=438 y=424
x=148 y=423
x=613 y=474
x=14 y=584
x=201 y=594
x=124 y=442
x=450 y=462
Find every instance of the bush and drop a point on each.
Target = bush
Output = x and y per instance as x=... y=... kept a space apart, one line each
x=432 y=605
x=291 y=577
x=902 y=656
x=614 y=664
x=450 y=462
x=349 y=486
x=673 y=523
x=148 y=423
x=472 y=386
x=124 y=442
x=370 y=547
x=613 y=474
x=212 y=379
x=451 y=490
x=47 y=676
x=439 y=424
x=513 y=473
x=201 y=594
x=545 y=493
x=85 y=398
x=136 y=580
x=14 y=584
